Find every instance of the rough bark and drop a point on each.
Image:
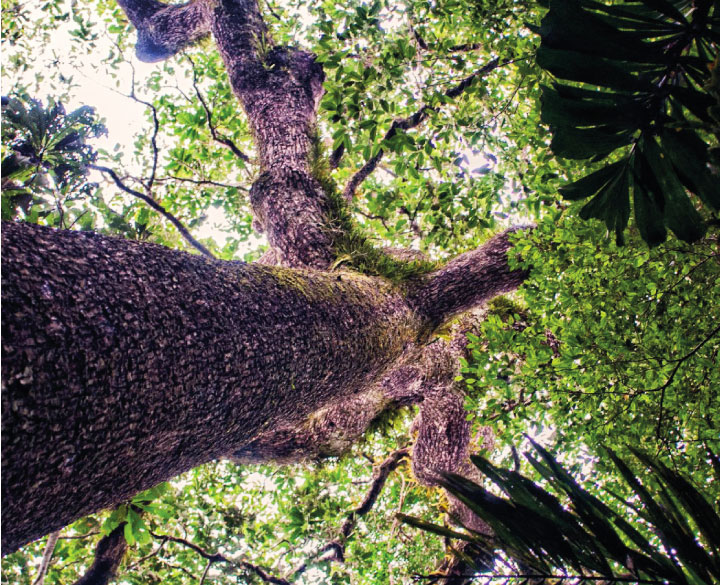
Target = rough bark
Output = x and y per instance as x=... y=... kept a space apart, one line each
x=164 y=29
x=466 y=281
x=280 y=89
x=109 y=553
x=125 y=364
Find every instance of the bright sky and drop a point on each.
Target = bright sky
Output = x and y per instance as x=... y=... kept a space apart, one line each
x=93 y=86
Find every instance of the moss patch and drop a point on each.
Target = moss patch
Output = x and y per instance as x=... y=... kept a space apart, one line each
x=352 y=247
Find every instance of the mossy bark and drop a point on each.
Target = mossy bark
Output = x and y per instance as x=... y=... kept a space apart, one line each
x=125 y=364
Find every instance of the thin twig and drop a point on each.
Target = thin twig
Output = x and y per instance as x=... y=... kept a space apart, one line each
x=200 y=182
x=380 y=218
x=670 y=378
x=205 y=572
x=227 y=142
x=47 y=557
x=156 y=206
x=413 y=121
x=78 y=219
x=459 y=48
x=149 y=555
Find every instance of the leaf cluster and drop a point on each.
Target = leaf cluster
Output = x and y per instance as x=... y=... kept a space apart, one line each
x=567 y=530
x=46 y=154
x=636 y=95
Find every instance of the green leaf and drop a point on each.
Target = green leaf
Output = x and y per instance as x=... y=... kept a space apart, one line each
x=680 y=215
x=695 y=504
x=434 y=528
x=648 y=209
x=574 y=143
x=592 y=183
x=612 y=204
x=563 y=111
x=574 y=66
x=569 y=27
x=129 y=536
x=689 y=156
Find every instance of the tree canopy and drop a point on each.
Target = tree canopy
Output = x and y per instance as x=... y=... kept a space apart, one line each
x=439 y=126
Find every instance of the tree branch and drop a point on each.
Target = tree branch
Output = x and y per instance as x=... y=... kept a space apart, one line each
x=227 y=142
x=221 y=558
x=671 y=377
x=459 y=48
x=109 y=553
x=337 y=546
x=411 y=122
x=153 y=138
x=47 y=557
x=466 y=282
x=199 y=182
x=157 y=207
x=165 y=29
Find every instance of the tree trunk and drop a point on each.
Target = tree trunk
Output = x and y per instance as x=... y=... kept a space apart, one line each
x=125 y=364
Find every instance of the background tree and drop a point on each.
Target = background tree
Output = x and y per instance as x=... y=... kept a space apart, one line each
x=430 y=118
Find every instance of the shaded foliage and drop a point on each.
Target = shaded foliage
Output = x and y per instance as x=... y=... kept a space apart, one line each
x=669 y=536
x=643 y=101
x=45 y=157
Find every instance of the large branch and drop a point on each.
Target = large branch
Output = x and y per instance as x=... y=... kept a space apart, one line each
x=125 y=364
x=165 y=29
x=412 y=122
x=466 y=281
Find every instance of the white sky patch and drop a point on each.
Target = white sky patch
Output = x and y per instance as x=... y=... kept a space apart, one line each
x=93 y=84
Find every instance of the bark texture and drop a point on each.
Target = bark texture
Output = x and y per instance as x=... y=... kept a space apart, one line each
x=280 y=90
x=109 y=553
x=165 y=29
x=466 y=281
x=125 y=364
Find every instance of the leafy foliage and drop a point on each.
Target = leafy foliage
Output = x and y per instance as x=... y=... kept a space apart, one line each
x=641 y=99
x=45 y=156
x=673 y=536
x=609 y=345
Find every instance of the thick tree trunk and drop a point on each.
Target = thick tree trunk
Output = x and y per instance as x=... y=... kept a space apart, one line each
x=126 y=364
